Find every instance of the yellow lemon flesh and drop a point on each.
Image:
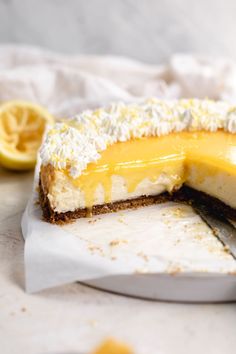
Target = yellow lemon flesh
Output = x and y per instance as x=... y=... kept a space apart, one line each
x=22 y=125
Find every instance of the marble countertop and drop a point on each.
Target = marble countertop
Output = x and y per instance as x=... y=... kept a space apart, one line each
x=74 y=318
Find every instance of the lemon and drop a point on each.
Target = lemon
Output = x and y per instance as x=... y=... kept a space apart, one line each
x=112 y=346
x=22 y=125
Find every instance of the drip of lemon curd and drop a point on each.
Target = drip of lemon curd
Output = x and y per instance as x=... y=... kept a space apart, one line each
x=147 y=158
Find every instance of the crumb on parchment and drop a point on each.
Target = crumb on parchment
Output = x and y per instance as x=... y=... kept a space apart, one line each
x=143 y=255
x=92 y=221
x=174 y=269
x=117 y=242
x=94 y=248
x=122 y=221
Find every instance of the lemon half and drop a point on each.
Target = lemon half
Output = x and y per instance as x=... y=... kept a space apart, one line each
x=22 y=125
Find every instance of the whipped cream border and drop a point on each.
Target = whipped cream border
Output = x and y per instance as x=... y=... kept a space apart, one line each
x=78 y=141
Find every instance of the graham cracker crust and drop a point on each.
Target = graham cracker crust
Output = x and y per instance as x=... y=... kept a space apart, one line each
x=217 y=207
x=184 y=195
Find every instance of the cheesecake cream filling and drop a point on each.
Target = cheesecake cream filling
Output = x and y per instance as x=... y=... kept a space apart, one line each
x=221 y=185
x=65 y=196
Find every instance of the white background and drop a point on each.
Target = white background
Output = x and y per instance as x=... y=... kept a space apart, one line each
x=149 y=30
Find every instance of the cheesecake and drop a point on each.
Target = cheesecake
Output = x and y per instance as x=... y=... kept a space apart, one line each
x=132 y=155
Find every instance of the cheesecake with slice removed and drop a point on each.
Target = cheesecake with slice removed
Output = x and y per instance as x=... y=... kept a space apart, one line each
x=127 y=156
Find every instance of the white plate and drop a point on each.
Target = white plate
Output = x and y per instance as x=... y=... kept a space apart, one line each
x=178 y=288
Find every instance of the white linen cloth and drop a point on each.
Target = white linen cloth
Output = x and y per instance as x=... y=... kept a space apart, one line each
x=68 y=84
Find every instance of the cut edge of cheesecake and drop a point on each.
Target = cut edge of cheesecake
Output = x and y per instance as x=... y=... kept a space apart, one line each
x=185 y=195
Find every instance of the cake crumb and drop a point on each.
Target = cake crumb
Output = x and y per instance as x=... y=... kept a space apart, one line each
x=177 y=242
x=122 y=221
x=144 y=256
x=198 y=237
x=117 y=242
x=23 y=309
x=173 y=270
x=178 y=212
x=226 y=249
x=94 y=248
x=92 y=221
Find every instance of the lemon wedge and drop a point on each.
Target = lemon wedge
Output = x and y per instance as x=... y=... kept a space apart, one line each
x=111 y=346
x=22 y=125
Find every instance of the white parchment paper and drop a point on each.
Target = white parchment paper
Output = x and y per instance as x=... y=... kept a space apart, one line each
x=165 y=238
x=162 y=238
